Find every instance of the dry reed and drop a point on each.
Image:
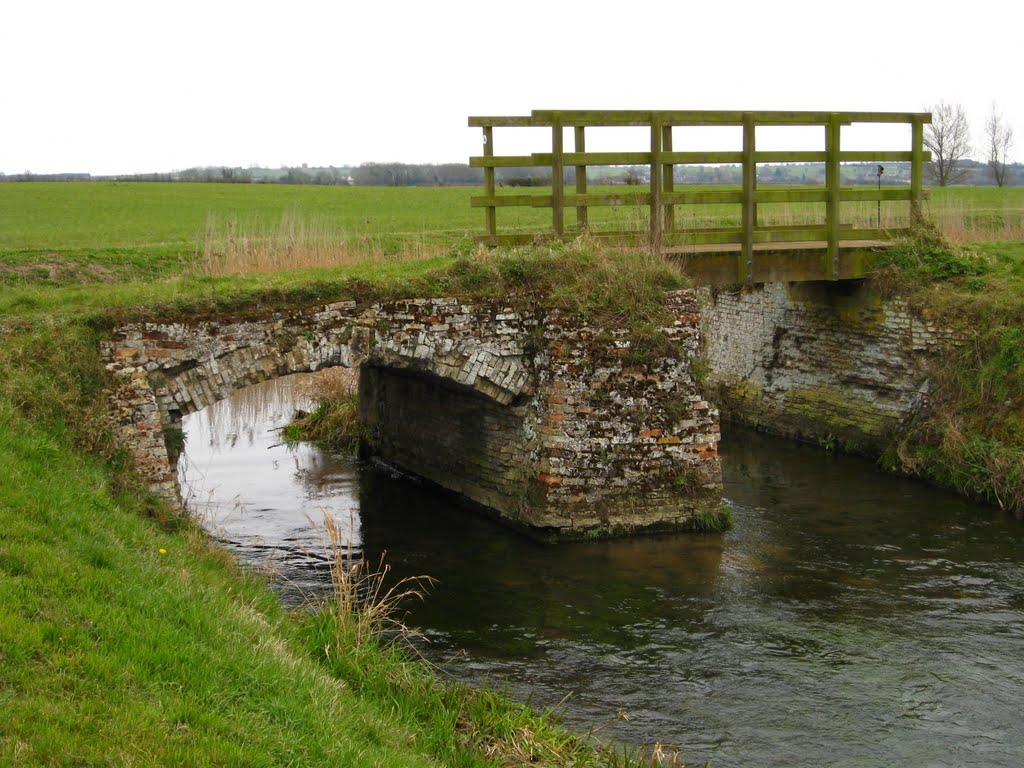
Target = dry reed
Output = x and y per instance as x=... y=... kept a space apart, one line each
x=966 y=222
x=362 y=603
x=233 y=247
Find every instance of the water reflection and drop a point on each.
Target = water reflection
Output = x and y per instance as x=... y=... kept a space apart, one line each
x=849 y=618
x=261 y=497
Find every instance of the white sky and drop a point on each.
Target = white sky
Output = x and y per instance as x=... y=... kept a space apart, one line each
x=123 y=87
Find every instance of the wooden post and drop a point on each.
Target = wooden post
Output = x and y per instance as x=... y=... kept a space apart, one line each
x=656 y=180
x=749 y=214
x=580 y=145
x=916 y=169
x=668 y=184
x=491 y=212
x=832 y=187
x=557 y=178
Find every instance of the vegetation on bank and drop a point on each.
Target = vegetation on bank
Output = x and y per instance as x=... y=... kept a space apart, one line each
x=127 y=637
x=333 y=424
x=972 y=436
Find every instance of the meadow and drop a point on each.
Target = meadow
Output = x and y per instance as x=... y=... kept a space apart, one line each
x=63 y=232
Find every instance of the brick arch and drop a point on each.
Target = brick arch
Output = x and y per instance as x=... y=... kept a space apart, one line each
x=577 y=437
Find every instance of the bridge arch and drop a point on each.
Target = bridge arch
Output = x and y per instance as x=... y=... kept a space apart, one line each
x=519 y=409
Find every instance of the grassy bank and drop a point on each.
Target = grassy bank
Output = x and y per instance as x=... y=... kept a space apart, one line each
x=972 y=438
x=127 y=638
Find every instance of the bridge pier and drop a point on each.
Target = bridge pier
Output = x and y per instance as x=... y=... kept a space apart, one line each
x=558 y=426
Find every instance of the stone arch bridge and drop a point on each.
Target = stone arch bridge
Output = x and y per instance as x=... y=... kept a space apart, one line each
x=554 y=424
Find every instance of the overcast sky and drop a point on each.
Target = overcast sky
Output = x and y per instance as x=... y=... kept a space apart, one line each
x=123 y=87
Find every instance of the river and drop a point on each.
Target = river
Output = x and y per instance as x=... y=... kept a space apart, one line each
x=849 y=618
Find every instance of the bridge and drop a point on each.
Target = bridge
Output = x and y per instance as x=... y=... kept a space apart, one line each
x=552 y=424
x=832 y=246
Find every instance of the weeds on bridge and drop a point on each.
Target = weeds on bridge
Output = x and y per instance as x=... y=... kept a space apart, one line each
x=971 y=437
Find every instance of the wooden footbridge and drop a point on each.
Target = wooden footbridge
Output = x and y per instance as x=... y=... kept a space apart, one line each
x=831 y=246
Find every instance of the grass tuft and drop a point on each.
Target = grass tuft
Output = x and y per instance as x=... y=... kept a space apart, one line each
x=333 y=424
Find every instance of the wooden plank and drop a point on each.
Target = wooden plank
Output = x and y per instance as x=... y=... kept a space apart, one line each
x=580 y=145
x=668 y=183
x=655 y=173
x=877 y=117
x=607 y=158
x=510 y=161
x=703 y=237
x=745 y=267
x=491 y=214
x=501 y=122
x=916 y=169
x=830 y=264
x=510 y=201
x=789 y=157
x=696 y=117
x=775 y=265
x=557 y=179
x=791 y=195
x=868 y=156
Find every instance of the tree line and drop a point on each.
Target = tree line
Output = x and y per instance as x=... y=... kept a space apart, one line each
x=948 y=137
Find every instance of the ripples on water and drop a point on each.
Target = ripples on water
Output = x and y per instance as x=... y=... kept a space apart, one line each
x=849 y=619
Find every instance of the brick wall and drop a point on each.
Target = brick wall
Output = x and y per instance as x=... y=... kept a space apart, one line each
x=820 y=361
x=552 y=422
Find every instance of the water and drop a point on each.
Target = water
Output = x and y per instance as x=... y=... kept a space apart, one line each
x=849 y=618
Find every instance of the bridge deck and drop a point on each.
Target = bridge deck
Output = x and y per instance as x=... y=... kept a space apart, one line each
x=719 y=264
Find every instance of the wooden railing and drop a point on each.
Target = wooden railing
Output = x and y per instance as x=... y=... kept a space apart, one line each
x=662 y=197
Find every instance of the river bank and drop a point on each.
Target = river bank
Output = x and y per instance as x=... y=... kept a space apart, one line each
x=129 y=637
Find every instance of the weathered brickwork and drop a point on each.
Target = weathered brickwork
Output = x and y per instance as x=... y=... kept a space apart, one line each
x=820 y=361
x=555 y=424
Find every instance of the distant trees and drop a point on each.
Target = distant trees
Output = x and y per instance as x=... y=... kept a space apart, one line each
x=948 y=137
x=1000 y=141
x=410 y=175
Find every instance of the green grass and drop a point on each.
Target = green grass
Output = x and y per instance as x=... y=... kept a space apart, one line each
x=126 y=638
x=58 y=233
x=973 y=436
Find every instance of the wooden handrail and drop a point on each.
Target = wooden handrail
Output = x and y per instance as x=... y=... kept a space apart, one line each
x=663 y=197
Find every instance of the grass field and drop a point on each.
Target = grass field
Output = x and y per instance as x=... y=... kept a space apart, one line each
x=124 y=230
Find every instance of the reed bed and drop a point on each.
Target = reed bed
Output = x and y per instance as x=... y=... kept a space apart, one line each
x=233 y=246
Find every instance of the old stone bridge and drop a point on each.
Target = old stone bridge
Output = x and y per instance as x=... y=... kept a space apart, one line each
x=554 y=424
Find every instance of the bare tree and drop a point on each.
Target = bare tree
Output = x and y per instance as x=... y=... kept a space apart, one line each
x=948 y=137
x=1000 y=142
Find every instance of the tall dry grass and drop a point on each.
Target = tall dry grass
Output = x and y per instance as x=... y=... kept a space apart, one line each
x=232 y=246
x=334 y=422
x=363 y=604
x=959 y=220
x=966 y=222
